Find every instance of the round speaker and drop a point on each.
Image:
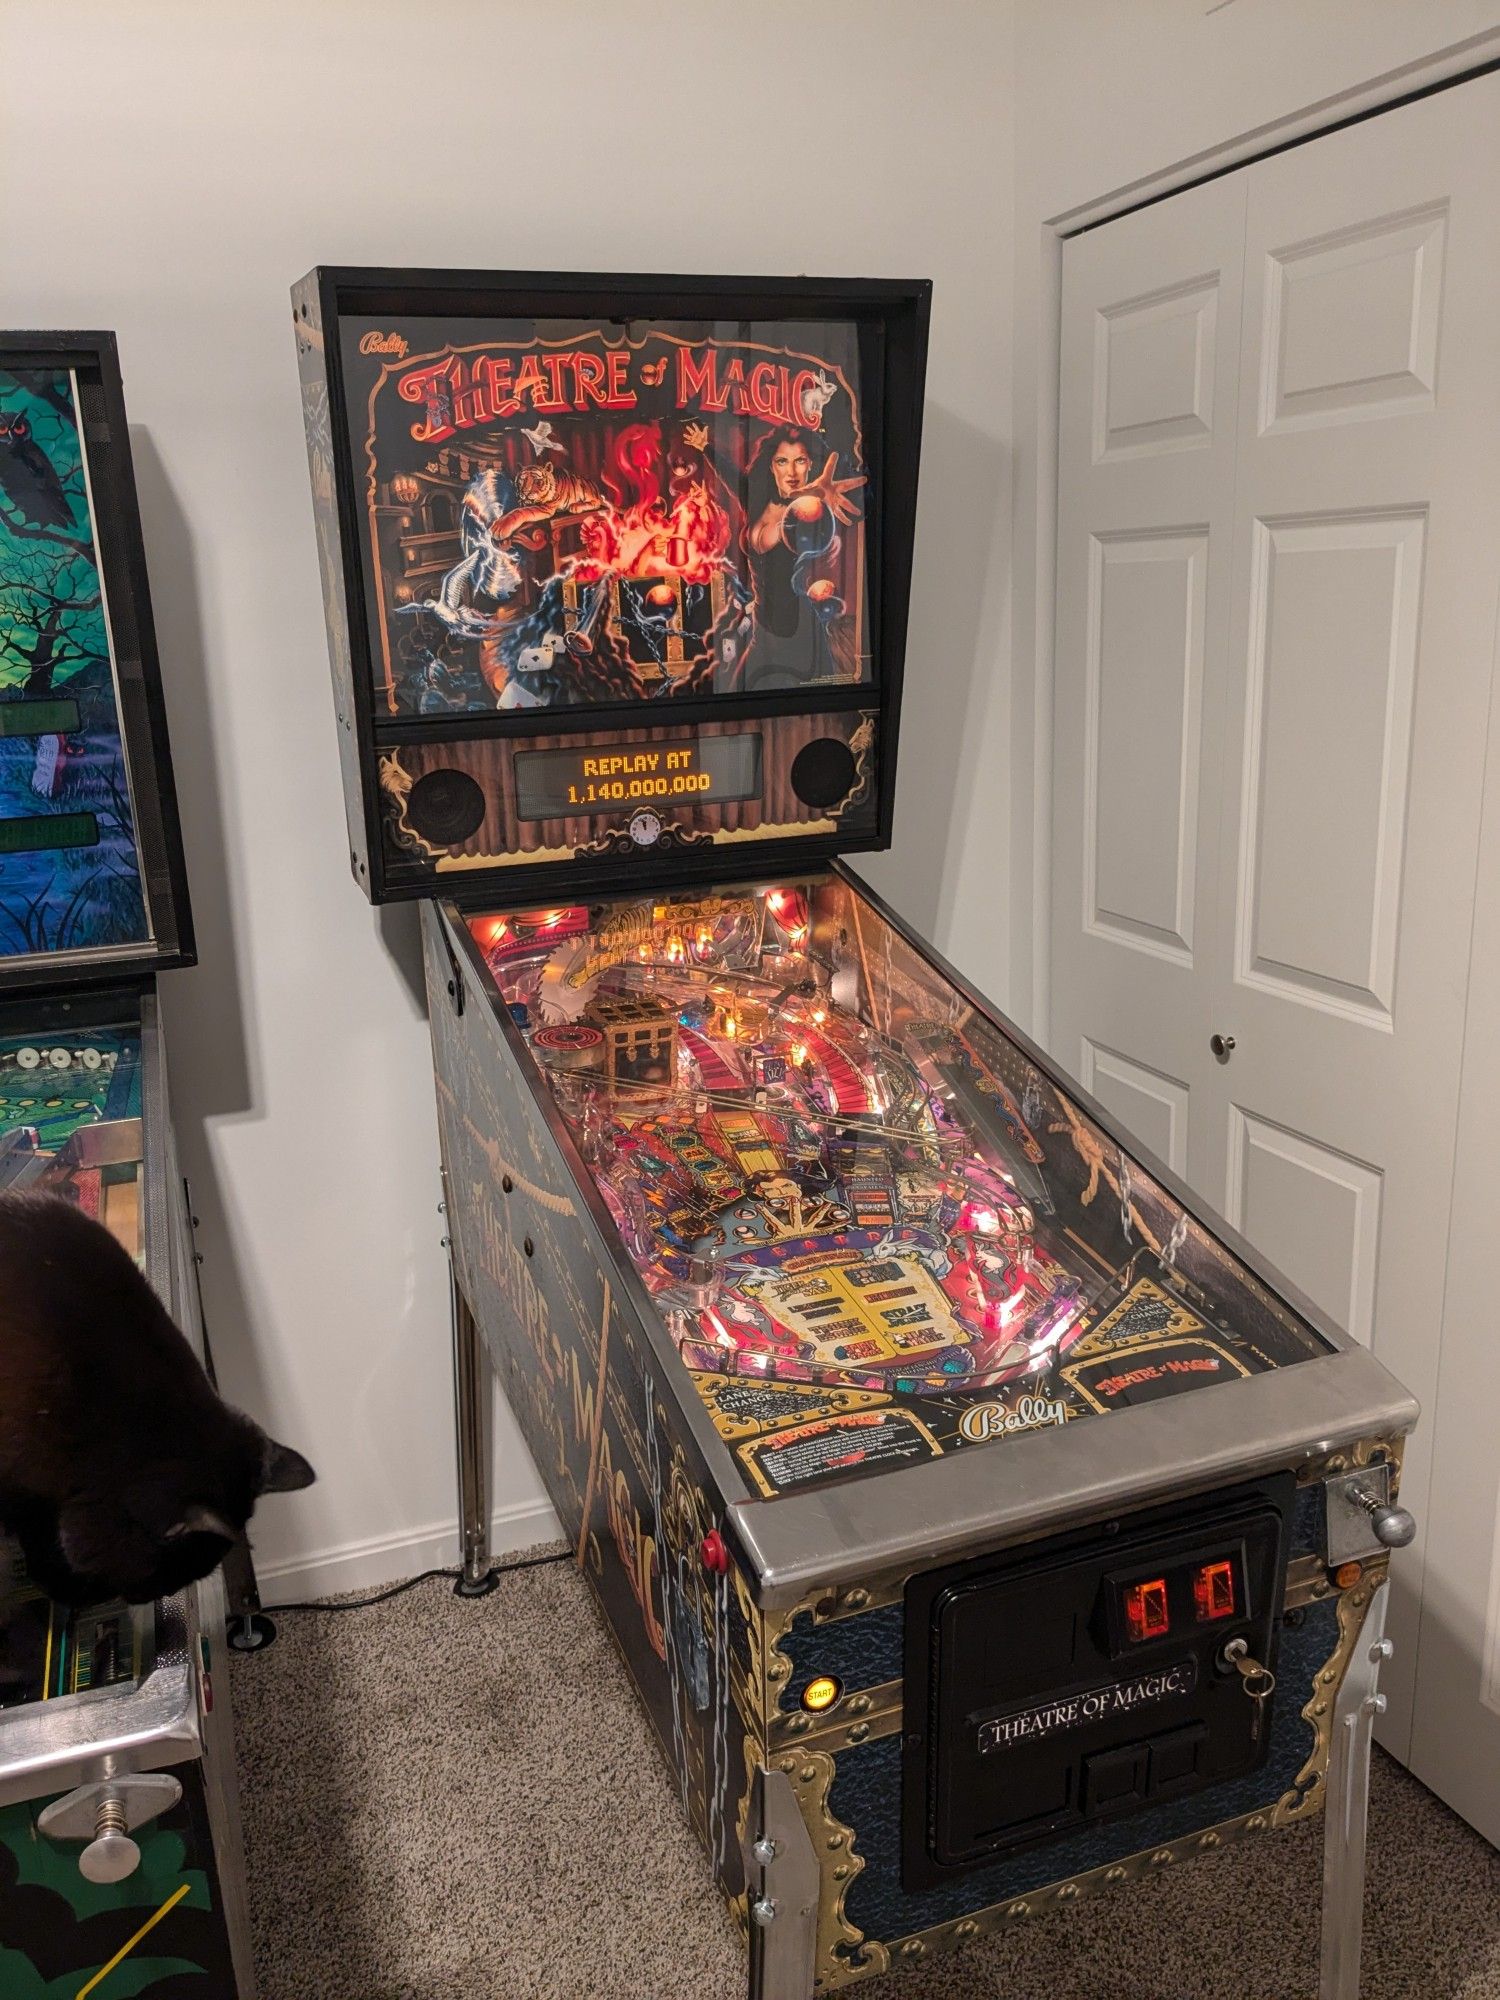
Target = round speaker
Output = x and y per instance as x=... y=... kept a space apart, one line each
x=823 y=771
x=445 y=807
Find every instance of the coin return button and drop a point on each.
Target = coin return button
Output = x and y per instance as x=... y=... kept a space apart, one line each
x=1175 y=1756
x=1114 y=1777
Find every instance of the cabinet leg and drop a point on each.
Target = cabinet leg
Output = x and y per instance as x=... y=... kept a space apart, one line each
x=471 y=1380
x=1346 y=1813
x=783 y=1881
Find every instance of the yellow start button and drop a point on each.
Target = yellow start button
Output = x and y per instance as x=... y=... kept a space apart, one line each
x=821 y=1693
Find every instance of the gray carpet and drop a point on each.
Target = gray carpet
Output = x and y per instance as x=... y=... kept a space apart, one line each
x=450 y=1801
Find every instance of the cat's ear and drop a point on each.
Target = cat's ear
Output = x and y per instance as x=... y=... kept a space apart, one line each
x=283 y=1470
x=202 y=1521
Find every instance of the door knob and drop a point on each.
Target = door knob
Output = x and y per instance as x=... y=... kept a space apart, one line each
x=1222 y=1046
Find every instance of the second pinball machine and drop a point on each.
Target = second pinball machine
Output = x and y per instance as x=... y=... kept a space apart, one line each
x=817 y=1289
x=122 y=1864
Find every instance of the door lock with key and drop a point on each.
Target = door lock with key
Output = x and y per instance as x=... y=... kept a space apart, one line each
x=1257 y=1682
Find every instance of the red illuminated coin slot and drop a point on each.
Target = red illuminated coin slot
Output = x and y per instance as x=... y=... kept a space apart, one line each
x=1146 y=1613
x=1213 y=1591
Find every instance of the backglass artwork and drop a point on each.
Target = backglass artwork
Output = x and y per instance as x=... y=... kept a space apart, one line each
x=562 y=513
x=70 y=868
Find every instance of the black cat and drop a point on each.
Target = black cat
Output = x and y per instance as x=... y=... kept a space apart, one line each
x=122 y=1473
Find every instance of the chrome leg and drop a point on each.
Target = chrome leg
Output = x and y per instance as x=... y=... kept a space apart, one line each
x=222 y=1785
x=471 y=1376
x=782 y=1879
x=1346 y=1813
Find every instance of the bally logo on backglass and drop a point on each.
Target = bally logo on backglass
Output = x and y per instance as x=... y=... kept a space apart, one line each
x=1051 y=1718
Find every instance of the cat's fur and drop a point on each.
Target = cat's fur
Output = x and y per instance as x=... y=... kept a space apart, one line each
x=122 y=1473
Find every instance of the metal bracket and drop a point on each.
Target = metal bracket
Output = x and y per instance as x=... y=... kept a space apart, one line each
x=782 y=1885
x=1358 y=1519
x=1346 y=1811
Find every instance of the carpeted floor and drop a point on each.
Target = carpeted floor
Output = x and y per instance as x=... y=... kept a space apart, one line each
x=451 y=1801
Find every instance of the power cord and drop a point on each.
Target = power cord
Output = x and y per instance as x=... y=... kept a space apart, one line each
x=400 y=1589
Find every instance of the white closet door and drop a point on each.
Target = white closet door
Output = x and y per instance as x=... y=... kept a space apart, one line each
x=1275 y=627
x=1150 y=352
x=1455 y=1743
x=1366 y=538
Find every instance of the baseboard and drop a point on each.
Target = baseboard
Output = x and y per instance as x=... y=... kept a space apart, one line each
x=384 y=1559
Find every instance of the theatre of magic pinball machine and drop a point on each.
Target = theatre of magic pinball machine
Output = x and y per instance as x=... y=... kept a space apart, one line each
x=981 y=1522
x=121 y=1869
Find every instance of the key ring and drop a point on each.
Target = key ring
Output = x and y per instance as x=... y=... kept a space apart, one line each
x=1258 y=1682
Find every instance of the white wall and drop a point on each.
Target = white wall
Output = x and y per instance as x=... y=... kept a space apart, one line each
x=167 y=170
x=1109 y=95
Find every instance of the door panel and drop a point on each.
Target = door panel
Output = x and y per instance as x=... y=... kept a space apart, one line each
x=1352 y=322
x=1154 y=361
x=1319 y=1206
x=1145 y=687
x=1329 y=687
x=1151 y=1105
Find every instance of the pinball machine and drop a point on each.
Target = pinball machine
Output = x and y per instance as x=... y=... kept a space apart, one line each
x=816 y=1288
x=121 y=1865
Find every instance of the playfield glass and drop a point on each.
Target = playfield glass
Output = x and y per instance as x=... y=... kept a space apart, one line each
x=562 y=513
x=873 y=1226
x=70 y=867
